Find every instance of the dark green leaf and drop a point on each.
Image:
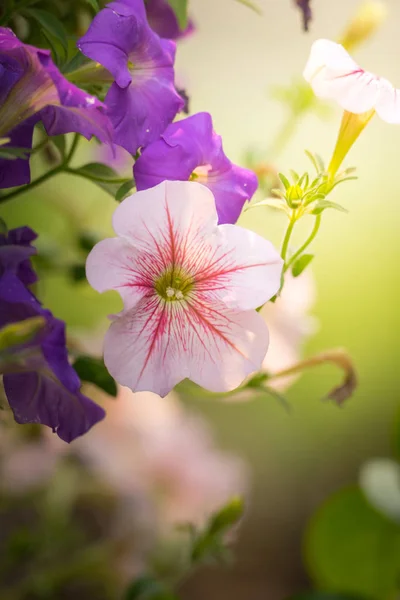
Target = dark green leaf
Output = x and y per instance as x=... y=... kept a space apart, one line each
x=301 y=263
x=350 y=546
x=180 y=9
x=57 y=51
x=93 y=370
x=87 y=240
x=50 y=24
x=78 y=60
x=322 y=205
x=124 y=190
x=97 y=171
x=77 y=273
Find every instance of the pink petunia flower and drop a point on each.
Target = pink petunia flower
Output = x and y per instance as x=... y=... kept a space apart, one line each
x=189 y=289
x=333 y=74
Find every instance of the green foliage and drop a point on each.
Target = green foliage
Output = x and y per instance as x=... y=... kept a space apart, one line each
x=300 y=264
x=103 y=175
x=93 y=370
x=180 y=8
x=53 y=31
x=148 y=588
x=19 y=333
x=352 y=548
x=124 y=190
x=209 y=545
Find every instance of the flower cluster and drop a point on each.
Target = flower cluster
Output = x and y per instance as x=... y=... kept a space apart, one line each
x=40 y=385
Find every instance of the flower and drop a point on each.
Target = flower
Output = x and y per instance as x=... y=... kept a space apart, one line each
x=333 y=74
x=289 y=325
x=40 y=384
x=190 y=149
x=142 y=101
x=32 y=89
x=304 y=6
x=138 y=450
x=163 y=21
x=189 y=289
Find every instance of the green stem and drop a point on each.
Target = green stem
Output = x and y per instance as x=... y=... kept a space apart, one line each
x=286 y=239
x=284 y=134
x=59 y=169
x=306 y=243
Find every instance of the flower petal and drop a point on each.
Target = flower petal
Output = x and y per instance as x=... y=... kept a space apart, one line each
x=141 y=112
x=181 y=212
x=157 y=344
x=17 y=172
x=243 y=270
x=388 y=104
x=143 y=347
x=163 y=21
x=332 y=73
x=37 y=398
x=183 y=147
x=225 y=346
x=114 y=264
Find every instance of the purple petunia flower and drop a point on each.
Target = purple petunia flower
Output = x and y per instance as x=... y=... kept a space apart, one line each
x=32 y=89
x=163 y=21
x=305 y=7
x=40 y=384
x=143 y=100
x=190 y=149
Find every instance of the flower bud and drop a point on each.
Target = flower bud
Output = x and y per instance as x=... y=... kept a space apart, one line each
x=365 y=22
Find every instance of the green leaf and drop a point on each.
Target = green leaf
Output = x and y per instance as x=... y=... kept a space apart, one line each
x=147 y=588
x=103 y=175
x=350 y=546
x=251 y=5
x=60 y=143
x=180 y=9
x=124 y=190
x=285 y=181
x=57 y=51
x=77 y=272
x=94 y=4
x=322 y=205
x=78 y=60
x=11 y=153
x=21 y=332
x=228 y=516
x=257 y=380
x=93 y=370
x=301 y=263
x=50 y=24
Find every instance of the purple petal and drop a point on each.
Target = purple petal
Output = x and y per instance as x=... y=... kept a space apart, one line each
x=13 y=291
x=22 y=236
x=187 y=145
x=79 y=112
x=36 y=398
x=17 y=172
x=109 y=40
x=163 y=21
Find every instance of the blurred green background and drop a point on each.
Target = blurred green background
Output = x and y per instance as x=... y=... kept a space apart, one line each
x=297 y=458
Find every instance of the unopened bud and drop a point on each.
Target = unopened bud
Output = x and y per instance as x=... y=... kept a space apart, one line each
x=368 y=18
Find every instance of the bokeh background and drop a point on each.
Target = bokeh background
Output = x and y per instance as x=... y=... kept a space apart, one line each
x=299 y=457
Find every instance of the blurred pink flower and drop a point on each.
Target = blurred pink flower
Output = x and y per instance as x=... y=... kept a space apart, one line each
x=153 y=449
x=333 y=74
x=189 y=288
x=289 y=325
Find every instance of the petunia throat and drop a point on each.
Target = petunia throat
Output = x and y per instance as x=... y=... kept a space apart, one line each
x=174 y=284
